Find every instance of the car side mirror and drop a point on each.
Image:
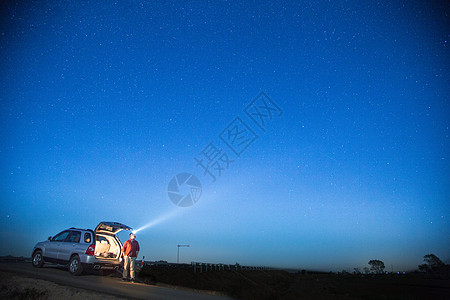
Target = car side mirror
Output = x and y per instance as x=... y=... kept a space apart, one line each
x=49 y=238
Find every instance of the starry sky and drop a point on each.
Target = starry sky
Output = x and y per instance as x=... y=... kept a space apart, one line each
x=102 y=103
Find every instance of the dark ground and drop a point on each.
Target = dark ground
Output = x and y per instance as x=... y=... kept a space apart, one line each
x=278 y=284
x=20 y=280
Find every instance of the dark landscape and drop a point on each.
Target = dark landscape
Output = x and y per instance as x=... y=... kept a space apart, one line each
x=279 y=284
x=258 y=283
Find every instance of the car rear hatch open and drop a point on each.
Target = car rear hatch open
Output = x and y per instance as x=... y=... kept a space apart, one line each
x=111 y=227
x=107 y=244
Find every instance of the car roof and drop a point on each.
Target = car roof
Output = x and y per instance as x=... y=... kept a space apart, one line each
x=88 y=230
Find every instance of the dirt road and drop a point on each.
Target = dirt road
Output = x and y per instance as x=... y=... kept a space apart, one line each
x=104 y=284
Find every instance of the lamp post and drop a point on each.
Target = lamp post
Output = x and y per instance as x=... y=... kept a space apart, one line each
x=178 y=252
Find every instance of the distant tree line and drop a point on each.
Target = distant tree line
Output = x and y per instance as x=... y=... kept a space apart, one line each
x=432 y=265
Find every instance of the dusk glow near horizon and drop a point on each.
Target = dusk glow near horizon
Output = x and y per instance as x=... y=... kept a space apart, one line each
x=288 y=134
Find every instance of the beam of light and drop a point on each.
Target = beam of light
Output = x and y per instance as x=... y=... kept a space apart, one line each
x=158 y=220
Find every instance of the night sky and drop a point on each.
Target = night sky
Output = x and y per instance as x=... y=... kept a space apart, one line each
x=102 y=103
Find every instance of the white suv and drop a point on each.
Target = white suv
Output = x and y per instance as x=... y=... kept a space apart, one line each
x=81 y=249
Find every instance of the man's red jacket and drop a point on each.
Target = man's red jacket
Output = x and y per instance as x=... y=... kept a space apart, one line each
x=130 y=248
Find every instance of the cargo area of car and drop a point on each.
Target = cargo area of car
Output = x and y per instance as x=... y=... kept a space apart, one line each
x=106 y=247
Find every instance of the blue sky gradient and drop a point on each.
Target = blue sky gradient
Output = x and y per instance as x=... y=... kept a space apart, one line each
x=101 y=104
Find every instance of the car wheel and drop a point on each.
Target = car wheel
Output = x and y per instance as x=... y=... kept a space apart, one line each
x=75 y=267
x=37 y=259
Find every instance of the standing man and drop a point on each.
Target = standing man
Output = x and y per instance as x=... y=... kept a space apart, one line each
x=130 y=251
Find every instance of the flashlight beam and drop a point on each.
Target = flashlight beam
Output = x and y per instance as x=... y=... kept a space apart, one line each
x=158 y=220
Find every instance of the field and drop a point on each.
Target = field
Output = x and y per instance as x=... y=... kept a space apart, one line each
x=240 y=283
x=278 y=284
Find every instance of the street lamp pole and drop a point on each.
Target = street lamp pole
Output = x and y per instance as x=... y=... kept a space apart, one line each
x=178 y=252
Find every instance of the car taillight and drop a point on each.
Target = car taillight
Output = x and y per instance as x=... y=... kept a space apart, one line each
x=91 y=249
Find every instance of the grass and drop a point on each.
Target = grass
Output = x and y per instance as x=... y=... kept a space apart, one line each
x=278 y=284
x=239 y=284
x=25 y=294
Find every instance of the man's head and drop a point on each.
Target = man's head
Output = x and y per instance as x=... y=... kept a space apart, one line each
x=132 y=236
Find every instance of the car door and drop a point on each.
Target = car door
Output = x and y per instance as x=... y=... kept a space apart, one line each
x=55 y=243
x=68 y=246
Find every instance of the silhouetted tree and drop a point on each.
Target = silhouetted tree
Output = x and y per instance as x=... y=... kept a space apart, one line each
x=366 y=270
x=432 y=260
x=377 y=266
x=433 y=263
x=356 y=271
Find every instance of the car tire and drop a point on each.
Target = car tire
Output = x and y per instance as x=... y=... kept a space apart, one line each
x=37 y=260
x=75 y=267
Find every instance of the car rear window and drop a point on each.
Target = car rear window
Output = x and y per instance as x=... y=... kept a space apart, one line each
x=87 y=237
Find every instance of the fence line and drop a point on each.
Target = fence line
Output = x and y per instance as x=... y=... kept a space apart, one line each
x=203 y=267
